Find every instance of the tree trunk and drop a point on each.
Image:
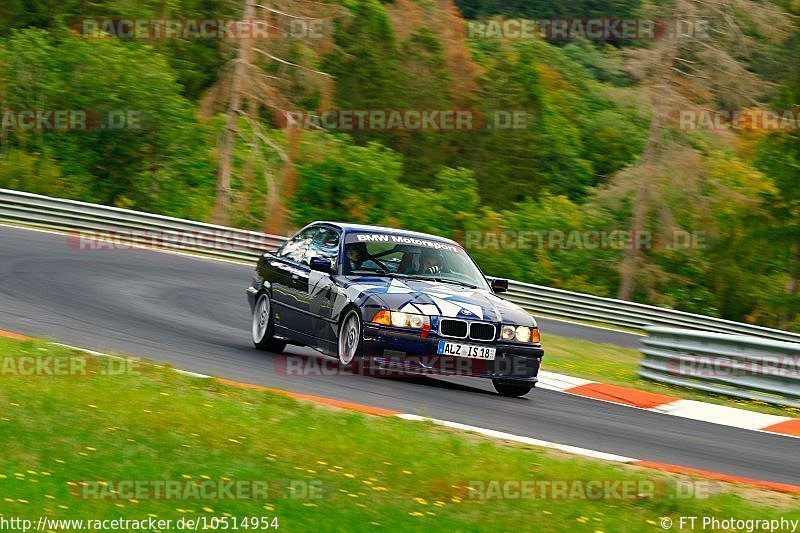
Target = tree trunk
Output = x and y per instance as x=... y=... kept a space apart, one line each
x=792 y=287
x=275 y=219
x=223 y=195
x=641 y=208
x=629 y=266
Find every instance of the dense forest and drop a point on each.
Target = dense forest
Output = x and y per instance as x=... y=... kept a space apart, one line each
x=603 y=147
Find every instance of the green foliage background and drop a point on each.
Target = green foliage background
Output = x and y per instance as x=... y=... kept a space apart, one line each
x=565 y=172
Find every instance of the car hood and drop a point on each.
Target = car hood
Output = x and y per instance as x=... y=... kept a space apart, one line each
x=435 y=298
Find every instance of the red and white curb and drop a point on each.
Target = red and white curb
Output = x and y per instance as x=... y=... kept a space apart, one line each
x=661 y=403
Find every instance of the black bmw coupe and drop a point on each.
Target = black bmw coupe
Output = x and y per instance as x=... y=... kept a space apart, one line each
x=392 y=299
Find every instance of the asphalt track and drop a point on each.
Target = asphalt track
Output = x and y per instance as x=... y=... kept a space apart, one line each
x=192 y=313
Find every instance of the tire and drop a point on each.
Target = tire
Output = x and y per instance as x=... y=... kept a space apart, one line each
x=511 y=389
x=349 y=341
x=262 y=327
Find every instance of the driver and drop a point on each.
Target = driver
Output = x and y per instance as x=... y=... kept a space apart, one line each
x=358 y=257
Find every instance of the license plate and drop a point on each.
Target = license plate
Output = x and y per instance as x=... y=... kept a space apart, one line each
x=465 y=350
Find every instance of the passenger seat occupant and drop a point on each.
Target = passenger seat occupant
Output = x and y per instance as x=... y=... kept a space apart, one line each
x=406 y=265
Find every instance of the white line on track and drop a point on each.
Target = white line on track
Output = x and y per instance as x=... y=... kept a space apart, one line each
x=190 y=374
x=524 y=440
x=101 y=354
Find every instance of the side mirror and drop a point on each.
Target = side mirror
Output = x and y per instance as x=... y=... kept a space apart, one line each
x=499 y=285
x=321 y=264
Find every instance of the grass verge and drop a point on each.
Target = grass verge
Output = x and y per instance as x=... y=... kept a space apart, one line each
x=150 y=423
x=616 y=365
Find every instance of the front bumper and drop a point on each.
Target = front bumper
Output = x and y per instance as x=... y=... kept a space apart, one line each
x=406 y=352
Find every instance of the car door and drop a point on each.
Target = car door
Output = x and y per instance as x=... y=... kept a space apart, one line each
x=321 y=286
x=289 y=269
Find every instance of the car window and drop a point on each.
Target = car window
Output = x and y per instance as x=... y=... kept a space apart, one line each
x=379 y=257
x=296 y=248
x=411 y=256
x=324 y=243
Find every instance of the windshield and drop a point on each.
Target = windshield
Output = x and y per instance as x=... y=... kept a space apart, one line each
x=411 y=257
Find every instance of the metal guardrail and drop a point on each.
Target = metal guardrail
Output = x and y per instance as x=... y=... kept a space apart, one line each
x=733 y=365
x=579 y=306
x=132 y=227
x=229 y=243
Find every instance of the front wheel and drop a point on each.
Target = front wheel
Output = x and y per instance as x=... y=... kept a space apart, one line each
x=350 y=345
x=511 y=389
x=263 y=326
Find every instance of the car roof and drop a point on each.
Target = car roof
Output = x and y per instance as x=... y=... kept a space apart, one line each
x=350 y=228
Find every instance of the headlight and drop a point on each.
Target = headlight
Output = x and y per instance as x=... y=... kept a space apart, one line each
x=507 y=333
x=400 y=320
x=416 y=321
x=519 y=333
x=523 y=334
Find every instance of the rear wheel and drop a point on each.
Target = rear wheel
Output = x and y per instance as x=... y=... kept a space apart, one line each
x=350 y=344
x=263 y=326
x=511 y=389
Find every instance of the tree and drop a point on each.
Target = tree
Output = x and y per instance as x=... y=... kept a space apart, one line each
x=256 y=78
x=156 y=163
x=683 y=72
x=779 y=157
x=223 y=197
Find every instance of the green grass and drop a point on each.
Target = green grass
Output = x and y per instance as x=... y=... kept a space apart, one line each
x=375 y=473
x=618 y=366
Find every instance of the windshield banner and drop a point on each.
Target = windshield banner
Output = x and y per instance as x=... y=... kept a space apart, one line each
x=401 y=239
